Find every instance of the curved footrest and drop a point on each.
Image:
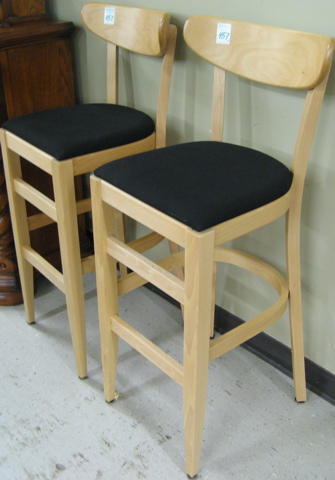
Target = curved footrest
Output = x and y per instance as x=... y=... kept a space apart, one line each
x=249 y=329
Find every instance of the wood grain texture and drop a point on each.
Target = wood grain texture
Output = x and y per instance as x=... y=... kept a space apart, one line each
x=19 y=11
x=146 y=30
x=271 y=55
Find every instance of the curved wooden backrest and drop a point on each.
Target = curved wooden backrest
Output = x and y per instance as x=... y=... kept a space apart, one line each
x=139 y=30
x=270 y=55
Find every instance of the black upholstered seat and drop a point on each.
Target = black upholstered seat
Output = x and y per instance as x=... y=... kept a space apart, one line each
x=77 y=130
x=200 y=184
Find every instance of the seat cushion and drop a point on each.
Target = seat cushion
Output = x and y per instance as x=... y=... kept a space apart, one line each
x=200 y=184
x=72 y=131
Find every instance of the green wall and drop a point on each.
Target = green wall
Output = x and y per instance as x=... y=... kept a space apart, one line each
x=190 y=120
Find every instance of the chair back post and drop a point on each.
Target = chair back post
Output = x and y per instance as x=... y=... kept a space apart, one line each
x=164 y=87
x=219 y=87
x=303 y=145
x=112 y=74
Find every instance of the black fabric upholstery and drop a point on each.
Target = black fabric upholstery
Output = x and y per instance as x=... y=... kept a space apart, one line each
x=200 y=184
x=72 y=131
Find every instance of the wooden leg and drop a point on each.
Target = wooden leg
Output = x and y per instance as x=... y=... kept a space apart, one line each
x=27 y=283
x=174 y=248
x=64 y=190
x=120 y=234
x=106 y=274
x=197 y=321
x=211 y=330
x=12 y=166
x=296 y=324
x=179 y=272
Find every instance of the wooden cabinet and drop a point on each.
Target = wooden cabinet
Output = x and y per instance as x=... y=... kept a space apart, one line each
x=18 y=11
x=35 y=74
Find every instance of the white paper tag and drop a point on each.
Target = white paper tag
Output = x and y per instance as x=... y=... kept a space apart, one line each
x=223 y=33
x=109 y=16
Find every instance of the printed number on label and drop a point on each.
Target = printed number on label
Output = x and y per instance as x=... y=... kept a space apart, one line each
x=109 y=16
x=223 y=33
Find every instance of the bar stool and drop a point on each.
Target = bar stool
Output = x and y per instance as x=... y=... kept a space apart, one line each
x=202 y=195
x=72 y=141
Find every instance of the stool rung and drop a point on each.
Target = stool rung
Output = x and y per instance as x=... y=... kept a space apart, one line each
x=50 y=272
x=147 y=269
x=146 y=243
x=133 y=280
x=42 y=202
x=247 y=330
x=148 y=349
x=84 y=206
x=87 y=264
x=40 y=220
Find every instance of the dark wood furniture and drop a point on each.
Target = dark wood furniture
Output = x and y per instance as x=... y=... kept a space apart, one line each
x=18 y=11
x=35 y=74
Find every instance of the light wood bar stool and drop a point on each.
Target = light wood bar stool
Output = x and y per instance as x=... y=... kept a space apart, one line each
x=202 y=195
x=71 y=141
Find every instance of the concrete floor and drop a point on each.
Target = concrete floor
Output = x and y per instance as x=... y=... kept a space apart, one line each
x=55 y=426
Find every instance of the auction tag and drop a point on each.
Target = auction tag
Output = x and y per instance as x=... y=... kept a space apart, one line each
x=109 y=16
x=223 y=33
